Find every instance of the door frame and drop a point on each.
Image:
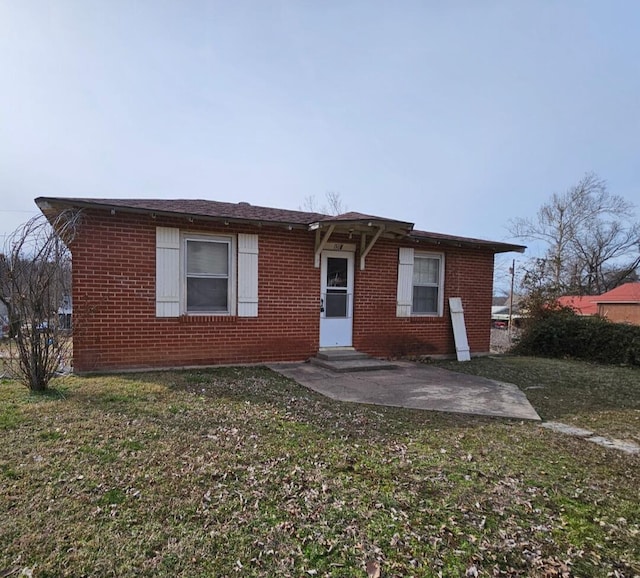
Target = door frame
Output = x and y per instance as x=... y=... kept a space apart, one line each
x=337 y=331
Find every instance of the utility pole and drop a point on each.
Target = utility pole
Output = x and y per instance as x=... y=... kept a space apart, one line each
x=512 y=270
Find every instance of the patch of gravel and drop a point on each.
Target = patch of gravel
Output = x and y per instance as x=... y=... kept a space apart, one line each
x=502 y=340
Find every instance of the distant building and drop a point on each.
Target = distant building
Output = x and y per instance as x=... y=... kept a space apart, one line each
x=65 y=312
x=581 y=304
x=622 y=304
x=502 y=310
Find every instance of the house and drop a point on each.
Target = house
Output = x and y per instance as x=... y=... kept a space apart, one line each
x=503 y=311
x=584 y=305
x=622 y=304
x=166 y=283
x=65 y=313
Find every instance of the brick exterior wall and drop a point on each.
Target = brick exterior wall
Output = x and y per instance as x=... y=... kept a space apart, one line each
x=620 y=312
x=115 y=325
x=377 y=330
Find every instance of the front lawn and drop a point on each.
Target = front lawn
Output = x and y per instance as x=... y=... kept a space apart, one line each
x=240 y=472
x=601 y=398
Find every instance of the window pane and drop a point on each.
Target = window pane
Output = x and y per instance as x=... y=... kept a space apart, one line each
x=425 y=300
x=336 y=272
x=336 y=305
x=206 y=257
x=426 y=271
x=207 y=295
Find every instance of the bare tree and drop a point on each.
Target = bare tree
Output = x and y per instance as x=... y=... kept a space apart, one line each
x=595 y=264
x=35 y=278
x=592 y=242
x=333 y=204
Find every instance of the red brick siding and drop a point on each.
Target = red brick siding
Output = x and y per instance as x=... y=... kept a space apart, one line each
x=114 y=301
x=377 y=330
x=620 y=312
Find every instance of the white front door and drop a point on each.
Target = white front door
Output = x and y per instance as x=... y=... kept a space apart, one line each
x=336 y=299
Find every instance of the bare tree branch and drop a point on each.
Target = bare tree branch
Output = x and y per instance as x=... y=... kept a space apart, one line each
x=588 y=232
x=333 y=204
x=35 y=278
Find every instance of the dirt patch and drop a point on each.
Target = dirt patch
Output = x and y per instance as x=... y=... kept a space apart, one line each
x=502 y=340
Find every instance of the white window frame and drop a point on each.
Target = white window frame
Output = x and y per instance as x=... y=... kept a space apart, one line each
x=440 y=284
x=231 y=283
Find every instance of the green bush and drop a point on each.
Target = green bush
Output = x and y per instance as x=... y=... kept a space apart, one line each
x=563 y=334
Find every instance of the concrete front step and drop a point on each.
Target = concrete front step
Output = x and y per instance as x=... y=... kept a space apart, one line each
x=365 y=363
x=340 y=354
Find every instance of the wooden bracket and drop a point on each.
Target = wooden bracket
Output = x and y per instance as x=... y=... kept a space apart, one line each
x=364 y=251
x=321 y=244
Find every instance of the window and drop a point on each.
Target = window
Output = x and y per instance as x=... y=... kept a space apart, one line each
x=196 y=274
x=426 y=285
x=420 y=283
x=207 y=267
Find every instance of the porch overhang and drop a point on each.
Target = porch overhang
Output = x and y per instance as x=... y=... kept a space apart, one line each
x=368 y=229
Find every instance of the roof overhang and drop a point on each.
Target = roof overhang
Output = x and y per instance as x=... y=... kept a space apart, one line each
x=392 y=229
x=51 y=206
x=439 y=240
x=368 y=229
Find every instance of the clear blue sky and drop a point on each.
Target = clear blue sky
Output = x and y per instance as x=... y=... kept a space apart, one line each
x=454 y=115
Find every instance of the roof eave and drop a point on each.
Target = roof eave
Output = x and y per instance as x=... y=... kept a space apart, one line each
x=48 y=203
x=471 y=243
x=50 y=206
x=390 y=228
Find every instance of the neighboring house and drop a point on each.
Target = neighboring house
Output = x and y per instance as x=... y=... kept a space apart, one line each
x=584 y=305
x=499 y=300
x=502 y=311
x=621 y=305
x=165 y=283
x=65 y=313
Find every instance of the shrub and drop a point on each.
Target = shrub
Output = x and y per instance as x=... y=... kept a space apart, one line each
x=564 y=334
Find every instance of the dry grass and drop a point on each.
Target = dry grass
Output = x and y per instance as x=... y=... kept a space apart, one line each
x=240 y=472
x=603 y=398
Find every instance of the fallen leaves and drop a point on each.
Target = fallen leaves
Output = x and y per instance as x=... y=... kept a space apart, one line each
x=372 y=568
x=239 y=472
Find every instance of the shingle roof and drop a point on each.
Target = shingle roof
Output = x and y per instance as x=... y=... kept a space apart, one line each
x=353 y=216
x=499 y=246
x=198 y=207
x=252 y=213
x=627 y=293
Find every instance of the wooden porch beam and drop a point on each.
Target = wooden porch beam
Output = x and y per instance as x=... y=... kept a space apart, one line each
x=322 y=244
x=363 y=254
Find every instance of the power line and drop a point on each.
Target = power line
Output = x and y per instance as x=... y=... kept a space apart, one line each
x=16 y=211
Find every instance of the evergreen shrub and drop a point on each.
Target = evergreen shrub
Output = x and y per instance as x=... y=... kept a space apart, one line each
x=562 y=333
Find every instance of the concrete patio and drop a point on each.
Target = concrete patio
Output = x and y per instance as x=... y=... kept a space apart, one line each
x=416 y=386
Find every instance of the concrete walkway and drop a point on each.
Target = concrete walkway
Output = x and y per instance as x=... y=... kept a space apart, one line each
x=627 y=447
x=417 y=386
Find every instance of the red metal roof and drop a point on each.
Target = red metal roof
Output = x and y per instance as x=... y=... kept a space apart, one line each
x=627 y=293
x=581 y=304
